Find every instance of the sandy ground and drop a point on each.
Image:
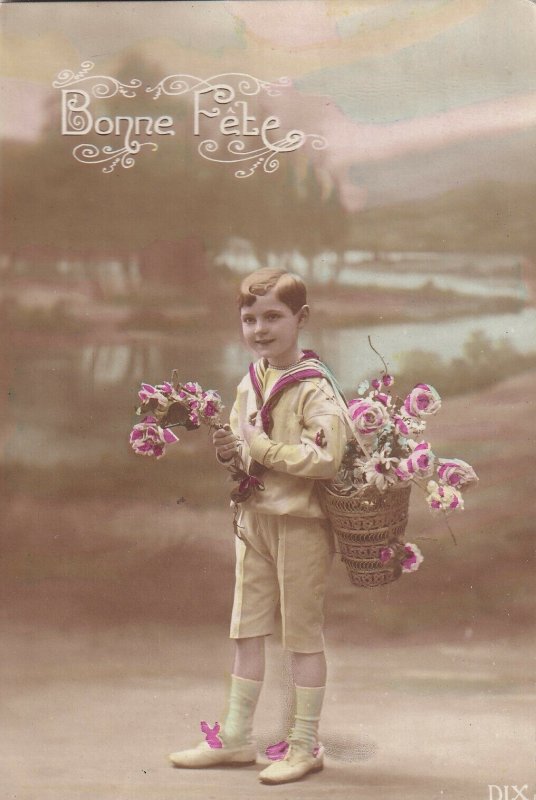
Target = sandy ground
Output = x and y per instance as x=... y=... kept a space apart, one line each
x=92 y=715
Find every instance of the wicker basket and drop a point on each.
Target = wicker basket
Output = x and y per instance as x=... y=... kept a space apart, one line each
x=364 y=523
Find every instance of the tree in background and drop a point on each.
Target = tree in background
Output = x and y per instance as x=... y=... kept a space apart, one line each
x=50 y=198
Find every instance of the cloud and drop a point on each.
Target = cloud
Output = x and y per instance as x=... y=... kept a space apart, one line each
x=354 y=142
x=100 y=29
x=483 y=57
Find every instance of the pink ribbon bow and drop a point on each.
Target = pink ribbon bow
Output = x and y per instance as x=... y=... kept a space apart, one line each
x=276 y=752
x=211 y=734
x=251 y=482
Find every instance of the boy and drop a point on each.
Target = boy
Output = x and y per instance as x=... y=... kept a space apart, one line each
x=288 y=427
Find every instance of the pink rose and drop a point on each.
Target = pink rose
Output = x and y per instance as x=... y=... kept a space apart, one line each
x=423 y=400
x=192 y=387
x=420 y=464
x=211 y=404
x=149 y=439
x=210 y=409
x=386 y=554
x=454 y=472
x=388 y=380
x=401 y=425
x=382 y=398
x=368 y=416
x=148 y=392
x=443 y=498
x=412 y=559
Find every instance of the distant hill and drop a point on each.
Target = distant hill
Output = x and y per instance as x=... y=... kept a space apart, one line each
x=490 y=216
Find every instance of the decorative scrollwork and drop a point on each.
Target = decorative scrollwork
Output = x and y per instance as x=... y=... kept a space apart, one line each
x=223 y=92
x=91 y=154
x=67 y=76
x=265 y=156
x=224 y=89
x=100 y=86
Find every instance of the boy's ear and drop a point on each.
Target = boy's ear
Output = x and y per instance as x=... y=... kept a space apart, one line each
x=303 y=315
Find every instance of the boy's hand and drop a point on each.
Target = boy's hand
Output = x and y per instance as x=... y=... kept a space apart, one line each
x=225 y=443
x=251 y=431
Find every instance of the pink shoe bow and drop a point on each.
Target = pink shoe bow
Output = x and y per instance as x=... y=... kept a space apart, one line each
x=276 y=752
x=211 y=734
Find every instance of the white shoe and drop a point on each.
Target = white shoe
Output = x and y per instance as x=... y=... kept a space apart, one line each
x=205 y=756
x=295 y=765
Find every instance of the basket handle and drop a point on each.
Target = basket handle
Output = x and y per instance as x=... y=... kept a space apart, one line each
x=349 y=422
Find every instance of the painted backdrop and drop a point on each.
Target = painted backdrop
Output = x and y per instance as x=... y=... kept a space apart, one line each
x=383 y=149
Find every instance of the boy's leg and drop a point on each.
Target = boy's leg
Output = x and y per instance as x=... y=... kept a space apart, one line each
x=246 y=685
x=249 y=658
x=309 y=673
x=303 y=569
x=304 y=754
x=309 y=669
x=255 y=601
x=235 y=734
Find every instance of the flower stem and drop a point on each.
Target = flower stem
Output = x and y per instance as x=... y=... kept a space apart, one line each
x=416 y=483
x=378 y=354
x=448 y=526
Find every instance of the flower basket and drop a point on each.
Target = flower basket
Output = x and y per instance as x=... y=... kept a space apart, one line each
x=369 y=526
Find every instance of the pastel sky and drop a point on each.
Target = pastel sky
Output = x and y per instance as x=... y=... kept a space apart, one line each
x=386 y=81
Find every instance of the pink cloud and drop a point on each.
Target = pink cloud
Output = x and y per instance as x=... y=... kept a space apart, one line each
x=353 y=142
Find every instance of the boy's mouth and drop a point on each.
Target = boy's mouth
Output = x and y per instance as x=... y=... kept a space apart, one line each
x=264 y=341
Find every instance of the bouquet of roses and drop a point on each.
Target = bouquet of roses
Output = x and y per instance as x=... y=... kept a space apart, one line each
x=389 y=450
x=169 y=405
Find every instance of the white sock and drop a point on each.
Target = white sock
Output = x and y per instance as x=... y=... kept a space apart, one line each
x=304 y=733
x=238 y=725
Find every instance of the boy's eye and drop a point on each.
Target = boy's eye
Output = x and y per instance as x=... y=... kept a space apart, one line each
x=247 y=320
x=273 y=316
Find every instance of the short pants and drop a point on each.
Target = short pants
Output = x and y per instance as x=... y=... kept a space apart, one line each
x=282 y=560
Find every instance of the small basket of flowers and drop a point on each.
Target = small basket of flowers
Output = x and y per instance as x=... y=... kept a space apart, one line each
x=172 y=404
x=367 y=503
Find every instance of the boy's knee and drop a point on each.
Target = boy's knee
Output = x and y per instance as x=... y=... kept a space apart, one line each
x=250 y=641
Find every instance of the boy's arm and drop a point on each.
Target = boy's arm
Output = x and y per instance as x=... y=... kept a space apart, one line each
x=234 y=424
x=319 y=453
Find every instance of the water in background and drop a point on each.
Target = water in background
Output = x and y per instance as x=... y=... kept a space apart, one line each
x=74 y=401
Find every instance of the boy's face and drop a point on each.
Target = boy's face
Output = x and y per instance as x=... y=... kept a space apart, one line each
x=271 y=329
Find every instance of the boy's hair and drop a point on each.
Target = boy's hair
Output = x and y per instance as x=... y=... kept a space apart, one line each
x=289 y=288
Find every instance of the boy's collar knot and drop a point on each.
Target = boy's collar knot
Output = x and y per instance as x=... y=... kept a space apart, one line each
x=309 y=366
x=305 y=354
